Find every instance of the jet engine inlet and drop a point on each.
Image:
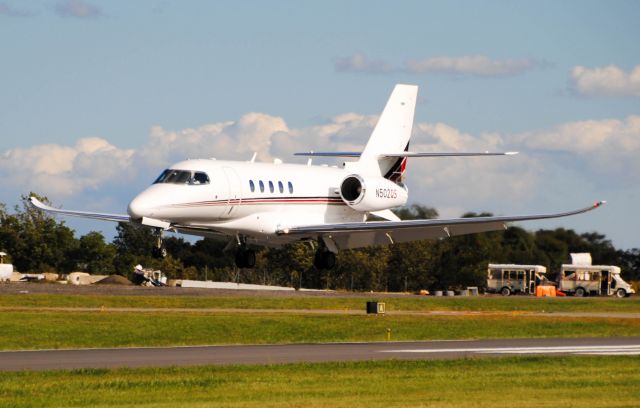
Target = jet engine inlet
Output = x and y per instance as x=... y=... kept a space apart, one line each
x=352 y=189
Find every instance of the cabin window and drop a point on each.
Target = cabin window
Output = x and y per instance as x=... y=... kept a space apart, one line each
x=271 y=186
x=252 y=186
x=280 y=187
x=290 y=188
x=261 y=184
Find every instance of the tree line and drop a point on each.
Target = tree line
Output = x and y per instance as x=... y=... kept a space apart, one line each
x=37 y=242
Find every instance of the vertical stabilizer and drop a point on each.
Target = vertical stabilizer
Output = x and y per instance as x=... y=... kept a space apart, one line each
x=392 y=133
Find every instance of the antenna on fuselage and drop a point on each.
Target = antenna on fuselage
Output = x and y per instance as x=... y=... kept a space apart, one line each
x=253 y=158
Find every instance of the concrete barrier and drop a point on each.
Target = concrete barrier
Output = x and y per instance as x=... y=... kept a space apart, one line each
x=228 y=285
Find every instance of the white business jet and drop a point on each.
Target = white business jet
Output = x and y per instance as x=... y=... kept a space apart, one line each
x=272 y=204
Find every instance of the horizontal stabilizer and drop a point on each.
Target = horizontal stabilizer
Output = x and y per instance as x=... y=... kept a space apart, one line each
x=328 y=154
x=425 y=154
x=405 y=154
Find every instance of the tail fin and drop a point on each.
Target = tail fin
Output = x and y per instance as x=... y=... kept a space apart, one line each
x=392 y=133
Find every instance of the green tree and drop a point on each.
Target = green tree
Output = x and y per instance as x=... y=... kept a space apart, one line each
x=94 y=255
x=35 y=240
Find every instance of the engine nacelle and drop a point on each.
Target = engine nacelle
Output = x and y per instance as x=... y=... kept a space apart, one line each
x=372 y=194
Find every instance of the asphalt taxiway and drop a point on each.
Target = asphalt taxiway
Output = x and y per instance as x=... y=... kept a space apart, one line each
x=291 y=353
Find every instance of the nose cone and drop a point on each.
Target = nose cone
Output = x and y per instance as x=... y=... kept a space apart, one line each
x=138 y=207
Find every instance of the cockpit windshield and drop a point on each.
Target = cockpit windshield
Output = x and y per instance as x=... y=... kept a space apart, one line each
x=174 y=176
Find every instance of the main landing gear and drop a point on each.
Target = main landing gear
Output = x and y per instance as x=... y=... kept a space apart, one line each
x=324 y=259
x=245 y=257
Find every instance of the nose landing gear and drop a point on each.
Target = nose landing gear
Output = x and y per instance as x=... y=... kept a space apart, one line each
x=159 y=250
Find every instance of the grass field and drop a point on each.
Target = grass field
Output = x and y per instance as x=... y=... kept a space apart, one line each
x=38 y=329
x=408 y=303
x=489 y=382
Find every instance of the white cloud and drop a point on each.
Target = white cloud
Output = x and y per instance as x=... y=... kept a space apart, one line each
x=253 y=132
x=609 y=146
x=467 y=65
x=476 y=65
x=359 y=62
x=65 y=170
x=77 y=9
x=6 y=10
x=605 y=81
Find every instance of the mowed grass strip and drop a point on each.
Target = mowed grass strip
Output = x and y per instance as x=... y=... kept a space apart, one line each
x=54 y=330
x=570 y=381
x=346 y=302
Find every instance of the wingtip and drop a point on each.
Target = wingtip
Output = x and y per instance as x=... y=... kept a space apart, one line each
x=600 y=203
x=511 y=153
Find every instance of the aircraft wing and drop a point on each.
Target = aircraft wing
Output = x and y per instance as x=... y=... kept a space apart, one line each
x=360 y=234
x=84 y=214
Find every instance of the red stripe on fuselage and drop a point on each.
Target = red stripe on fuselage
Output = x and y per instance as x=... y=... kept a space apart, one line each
x=278 y=200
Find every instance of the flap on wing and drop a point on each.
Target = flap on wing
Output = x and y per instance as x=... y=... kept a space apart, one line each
x=405 y=154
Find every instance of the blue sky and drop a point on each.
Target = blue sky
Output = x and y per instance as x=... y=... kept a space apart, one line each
x=98 y=97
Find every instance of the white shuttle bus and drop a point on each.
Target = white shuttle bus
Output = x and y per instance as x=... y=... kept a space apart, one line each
x=508 y=278
x=583 y=280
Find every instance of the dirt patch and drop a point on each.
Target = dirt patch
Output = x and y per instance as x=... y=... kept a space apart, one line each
x=114 y=280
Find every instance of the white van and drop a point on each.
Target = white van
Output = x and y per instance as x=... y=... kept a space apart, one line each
x=583 y=280
x=509 y=278
x=6 y=270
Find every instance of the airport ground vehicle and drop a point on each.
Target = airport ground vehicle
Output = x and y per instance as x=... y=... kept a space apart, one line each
x=5 y=269
x=509 y=278
x=583 y=280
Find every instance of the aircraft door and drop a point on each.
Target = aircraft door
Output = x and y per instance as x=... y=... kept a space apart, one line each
x=605 y=283
x=234 y=197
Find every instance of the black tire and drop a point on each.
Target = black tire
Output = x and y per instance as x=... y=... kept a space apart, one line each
x=240 y=259
x=329 y=260
x=580 y=292
x=246 y=258
x=159 y=253
x=324 y=260
x=621 y=293
x=249 y=258
x=505 y=291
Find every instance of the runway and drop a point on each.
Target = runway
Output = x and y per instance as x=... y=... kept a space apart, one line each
x=291 y=353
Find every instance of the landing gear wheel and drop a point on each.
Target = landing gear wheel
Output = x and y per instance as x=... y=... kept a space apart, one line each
x=246 y=258
x=621 y=293
x=324 y=260
x=580 y=292
x=505 y=291
x=159 y=252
